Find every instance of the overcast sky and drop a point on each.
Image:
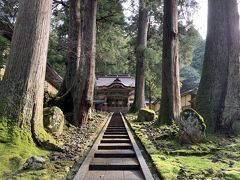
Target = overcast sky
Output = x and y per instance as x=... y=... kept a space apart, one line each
x=200 y=17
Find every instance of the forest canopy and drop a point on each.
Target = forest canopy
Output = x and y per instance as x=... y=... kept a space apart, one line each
x=116 y=38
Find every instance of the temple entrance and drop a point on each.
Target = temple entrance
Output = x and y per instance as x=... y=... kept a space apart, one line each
x=117 y=104
x=114 y=93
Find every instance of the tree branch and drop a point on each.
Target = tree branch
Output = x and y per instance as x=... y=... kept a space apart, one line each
x=60 y=2
x=6 y=28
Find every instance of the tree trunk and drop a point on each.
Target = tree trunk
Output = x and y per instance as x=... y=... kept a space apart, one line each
x=83 y=89
x=150 y=89
x=150 y=96
x=218 y=95
x=231 y=113
x=22 y=87
x=65 y=94
x=170 y=101
x=139 y=96
x=74 y=46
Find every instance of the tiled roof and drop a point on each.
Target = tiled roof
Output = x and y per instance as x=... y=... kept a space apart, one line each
x=108 y=80
x=192 y=91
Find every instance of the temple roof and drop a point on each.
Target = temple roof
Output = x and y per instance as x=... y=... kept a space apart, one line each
x=126 y=80
x=190 y=91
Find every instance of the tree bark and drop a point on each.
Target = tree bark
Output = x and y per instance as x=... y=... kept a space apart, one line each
x=85 y=80
x=170 y=101
x=150 y=96
x=143 y=21
x=74 y=46
x=22 y=87
x=218 y=98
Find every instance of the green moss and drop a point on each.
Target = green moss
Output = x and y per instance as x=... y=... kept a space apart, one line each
x=43 y=136
x=16 y=146
x=14 y=151
x=198 y=164
x=196 y=150
x=167 y=132
x=10 y=133
x=185 y=114
x=148 y=110
x=232 y=174
x=167 y=168
x=172 y=157
x=146 y=115
x=4 y=138
x=46 y=141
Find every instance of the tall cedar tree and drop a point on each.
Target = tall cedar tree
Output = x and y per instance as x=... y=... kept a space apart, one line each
x=85 y=80
x=218 y=99
x=66 y=93
x=170 y=101
x=22 y=88
x=143 y=21
x=74 y=46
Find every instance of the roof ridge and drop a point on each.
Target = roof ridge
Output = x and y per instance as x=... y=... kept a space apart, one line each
x=114 y=76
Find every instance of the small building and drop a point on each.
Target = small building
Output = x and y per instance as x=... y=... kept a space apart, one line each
x=114 y=93
x=2 y=70
x=52 y=80
x=156 y=104
x=188 y=98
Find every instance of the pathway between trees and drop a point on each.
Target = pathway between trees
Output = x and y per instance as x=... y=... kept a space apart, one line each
x=115 y=155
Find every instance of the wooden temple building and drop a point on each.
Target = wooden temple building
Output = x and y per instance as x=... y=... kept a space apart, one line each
x=114 y=93
x=188 y=98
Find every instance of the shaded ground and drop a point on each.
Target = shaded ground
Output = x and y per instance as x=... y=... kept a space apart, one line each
x=59 y=165
x=218 y=158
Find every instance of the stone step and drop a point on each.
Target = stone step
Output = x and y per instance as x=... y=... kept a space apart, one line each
x=115 y=133
x=113 y=155
x=115 y=136
x=116 y=125
x=116 y=175
x=113 y=167
x=115 y=128
x=124 y=153
x=115 y=140
x=115 y=161
x=115 y=146
x=114 y=164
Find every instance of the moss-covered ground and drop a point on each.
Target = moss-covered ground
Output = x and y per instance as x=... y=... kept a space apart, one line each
x=218 y=158
x=16 y=146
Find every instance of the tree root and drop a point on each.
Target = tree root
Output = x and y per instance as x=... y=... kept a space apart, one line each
x=41 y=137
x=45 y=140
